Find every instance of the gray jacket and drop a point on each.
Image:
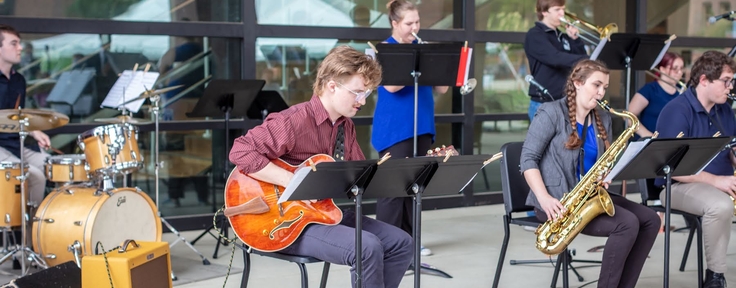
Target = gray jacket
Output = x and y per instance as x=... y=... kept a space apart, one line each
x=544 y=148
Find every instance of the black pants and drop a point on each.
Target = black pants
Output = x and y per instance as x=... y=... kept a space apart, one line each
x=398 y=211
x=631 y=234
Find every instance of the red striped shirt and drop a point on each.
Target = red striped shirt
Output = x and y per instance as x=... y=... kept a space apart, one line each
x=293 y=135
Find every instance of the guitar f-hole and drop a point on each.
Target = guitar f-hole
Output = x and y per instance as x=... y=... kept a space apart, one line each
x=278 y=195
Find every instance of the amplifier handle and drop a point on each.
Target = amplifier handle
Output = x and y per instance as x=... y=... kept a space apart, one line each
x=124 y=247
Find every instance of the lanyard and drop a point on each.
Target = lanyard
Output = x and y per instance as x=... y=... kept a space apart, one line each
x=581 y=154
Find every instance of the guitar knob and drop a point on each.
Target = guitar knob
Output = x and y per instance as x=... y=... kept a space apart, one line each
x=275 y=221
x=265 y=232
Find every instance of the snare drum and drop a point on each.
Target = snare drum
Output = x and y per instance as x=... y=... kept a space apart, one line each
x=10 y=208
x=67 y=168
x=112 y=149
x=79 y=217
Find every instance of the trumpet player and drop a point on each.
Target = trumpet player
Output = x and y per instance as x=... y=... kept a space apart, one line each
x=393 y=119
x=651 y=98
x=565 y=140
x=551 y=53
x=701 y=111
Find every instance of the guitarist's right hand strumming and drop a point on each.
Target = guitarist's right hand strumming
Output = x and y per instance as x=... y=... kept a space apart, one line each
x=256 y=217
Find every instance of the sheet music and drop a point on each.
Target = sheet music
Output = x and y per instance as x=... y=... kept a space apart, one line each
x=129 y=86
x=299 y=176
x=661 y=54
x=631 y=152
x=598 y=49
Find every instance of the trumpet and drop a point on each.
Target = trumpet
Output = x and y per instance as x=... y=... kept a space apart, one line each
x=587 y=36
x=419 y=40
x=679 y=85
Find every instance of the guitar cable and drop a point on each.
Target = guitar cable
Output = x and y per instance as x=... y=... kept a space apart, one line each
x=227 y=241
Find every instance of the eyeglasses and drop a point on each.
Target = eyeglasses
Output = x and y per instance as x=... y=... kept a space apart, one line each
x=358 y=95
x=728 y=82
x=676 y=68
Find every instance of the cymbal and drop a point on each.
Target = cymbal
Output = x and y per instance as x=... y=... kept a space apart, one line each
x=37 y=120
x=468 y=87
x=123 y=119
x=151 y=93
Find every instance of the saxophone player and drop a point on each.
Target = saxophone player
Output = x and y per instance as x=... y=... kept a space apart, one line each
x=701 y=111
x=565 y=139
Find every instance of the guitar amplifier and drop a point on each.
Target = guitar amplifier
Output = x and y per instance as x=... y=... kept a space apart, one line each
x=139 y=265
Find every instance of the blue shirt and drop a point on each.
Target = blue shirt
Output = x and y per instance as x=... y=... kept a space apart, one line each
x=657 y=98
x=590 y=149
x=685 y=114
x=13 y=91
x=393 y=119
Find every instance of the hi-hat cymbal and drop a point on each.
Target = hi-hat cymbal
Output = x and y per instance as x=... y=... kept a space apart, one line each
x=37 y=120
x=151 y=93
x=123 y=119
x=468 y=87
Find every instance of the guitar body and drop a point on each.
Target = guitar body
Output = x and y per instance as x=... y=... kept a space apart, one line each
x=282 y=224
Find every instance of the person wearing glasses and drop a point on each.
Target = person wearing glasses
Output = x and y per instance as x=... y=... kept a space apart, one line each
x=651 y=98
x=393 y=119
x=323 y=126
x=701 y=111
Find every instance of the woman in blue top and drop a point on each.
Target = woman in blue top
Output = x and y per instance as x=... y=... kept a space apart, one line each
x=564 y=141
x=651 y=98
x=393 y=121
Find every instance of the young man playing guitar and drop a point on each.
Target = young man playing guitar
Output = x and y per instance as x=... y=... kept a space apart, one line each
x=322 y=126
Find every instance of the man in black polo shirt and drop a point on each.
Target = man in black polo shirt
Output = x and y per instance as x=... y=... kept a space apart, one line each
x=12 y=96
x=551 y=53
x=701 y=111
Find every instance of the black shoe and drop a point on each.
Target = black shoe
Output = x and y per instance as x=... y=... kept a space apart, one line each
x=714 y=280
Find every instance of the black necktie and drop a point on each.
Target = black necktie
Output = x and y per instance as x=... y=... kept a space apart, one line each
x=340 y=143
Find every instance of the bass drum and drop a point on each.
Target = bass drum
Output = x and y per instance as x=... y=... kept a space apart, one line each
x=77 y=218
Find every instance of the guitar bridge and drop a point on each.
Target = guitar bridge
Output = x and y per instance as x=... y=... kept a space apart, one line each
x=278 y=195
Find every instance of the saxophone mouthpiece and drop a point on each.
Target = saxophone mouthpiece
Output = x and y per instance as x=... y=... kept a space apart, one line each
x=604 y=104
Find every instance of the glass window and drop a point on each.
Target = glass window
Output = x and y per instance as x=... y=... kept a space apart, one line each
x=347 y=13
x=501 y=88
x=689 y=18
x=520 y=15
x=488 y=138
x=289 y=66
x=127 y=10
x=74 y=73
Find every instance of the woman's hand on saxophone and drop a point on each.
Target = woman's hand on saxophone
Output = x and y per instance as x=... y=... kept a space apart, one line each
x=552 y=207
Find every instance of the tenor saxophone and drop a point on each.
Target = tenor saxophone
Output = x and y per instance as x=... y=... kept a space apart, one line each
x=588 y=199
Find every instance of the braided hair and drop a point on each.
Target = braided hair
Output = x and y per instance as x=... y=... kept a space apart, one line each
x=580 y=73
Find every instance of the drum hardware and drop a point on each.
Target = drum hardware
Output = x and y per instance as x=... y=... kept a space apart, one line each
x=155 y=99
x=76 y=249
x=22 y=121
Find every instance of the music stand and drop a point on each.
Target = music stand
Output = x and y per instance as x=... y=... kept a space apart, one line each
x=669 y=158
x=630 y=51
x=225 y=98
x=266 y=102
x=424 y=176
x=403 y=64
x=336 y=180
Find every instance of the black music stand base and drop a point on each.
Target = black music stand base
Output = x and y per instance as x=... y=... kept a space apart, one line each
x=222 y=225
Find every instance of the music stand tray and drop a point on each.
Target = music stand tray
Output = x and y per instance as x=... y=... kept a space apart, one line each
x=670 y=157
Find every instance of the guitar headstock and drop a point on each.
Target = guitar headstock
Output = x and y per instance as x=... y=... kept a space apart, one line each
x=443 y=151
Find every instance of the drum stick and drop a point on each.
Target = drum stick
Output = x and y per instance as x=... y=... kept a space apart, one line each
x=56 y=150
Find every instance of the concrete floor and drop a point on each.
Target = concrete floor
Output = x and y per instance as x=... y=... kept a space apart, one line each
x=466 y=243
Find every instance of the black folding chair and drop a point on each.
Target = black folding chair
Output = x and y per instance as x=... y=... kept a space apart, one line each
x=298 y=260
x=650 y=198
x=515 y=191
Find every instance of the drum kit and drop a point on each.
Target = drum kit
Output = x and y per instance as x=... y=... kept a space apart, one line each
x=85 y=208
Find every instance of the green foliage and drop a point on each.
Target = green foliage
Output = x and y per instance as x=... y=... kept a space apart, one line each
x=99 y=9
